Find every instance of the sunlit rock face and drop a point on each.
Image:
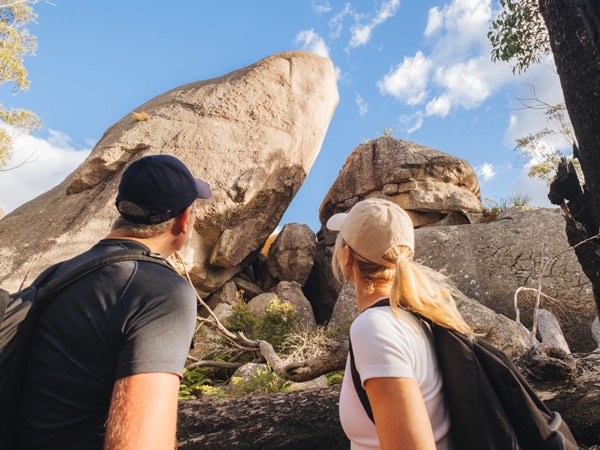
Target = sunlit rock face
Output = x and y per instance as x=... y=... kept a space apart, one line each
x=253 y=135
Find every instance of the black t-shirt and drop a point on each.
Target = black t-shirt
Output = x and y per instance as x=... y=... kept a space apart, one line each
x=123 y=319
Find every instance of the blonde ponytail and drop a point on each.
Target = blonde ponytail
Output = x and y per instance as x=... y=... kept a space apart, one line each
x=413 y=290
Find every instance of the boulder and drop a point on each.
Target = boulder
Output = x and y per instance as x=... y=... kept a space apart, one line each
x=500 y=331
x=429 y=184
x=288 y=292
x=291 y=292
x=253 y=135
x=291 y=256
x=490 y=261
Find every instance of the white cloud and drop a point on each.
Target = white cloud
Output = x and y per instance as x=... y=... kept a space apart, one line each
x=312 y=42
x=466 y=84
x=321 y=7
x=361 y=33
x=411 y=123
x=336 y=22
x=464 y=76
x=408 y=82
x=37 y=165
x=465 y=24
x=439 y=106
x=485 y=171
x=363 y=108
x=434 y=21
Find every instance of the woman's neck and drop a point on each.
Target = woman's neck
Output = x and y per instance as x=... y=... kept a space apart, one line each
x=367 y=293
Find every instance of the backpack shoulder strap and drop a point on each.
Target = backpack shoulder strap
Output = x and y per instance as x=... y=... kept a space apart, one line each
x=360 y=391
x=96 y=263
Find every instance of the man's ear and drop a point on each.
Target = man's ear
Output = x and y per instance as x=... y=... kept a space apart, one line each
x=183 y=220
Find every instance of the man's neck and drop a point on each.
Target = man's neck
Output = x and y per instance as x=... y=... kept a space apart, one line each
x=156 y=244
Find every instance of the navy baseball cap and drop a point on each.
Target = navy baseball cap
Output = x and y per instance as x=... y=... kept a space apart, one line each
x=162 y=186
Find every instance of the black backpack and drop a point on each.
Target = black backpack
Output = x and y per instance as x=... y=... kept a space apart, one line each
x=18 y=317
x=491 y=404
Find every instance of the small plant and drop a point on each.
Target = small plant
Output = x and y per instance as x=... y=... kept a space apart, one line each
x=388 y=132
x=279 y=320
x=141 y=116
x=305 y=344
x=514 y=199
x=192 y=383
x=334 y=378
x=241 y=318
x=264 y=381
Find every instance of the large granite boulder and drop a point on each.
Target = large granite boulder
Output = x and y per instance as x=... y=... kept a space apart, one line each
x=489 y=262
x=493 y=263
x=252 y=134
x=497 y=329
x=429 y=184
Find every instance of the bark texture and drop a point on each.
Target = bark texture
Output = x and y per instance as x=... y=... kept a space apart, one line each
x=288 y=421
x=578 y=66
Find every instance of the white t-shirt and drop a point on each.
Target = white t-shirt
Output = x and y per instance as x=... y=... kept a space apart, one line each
x=386 y=345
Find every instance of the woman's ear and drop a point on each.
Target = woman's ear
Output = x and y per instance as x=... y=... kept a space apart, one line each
x=347 y=256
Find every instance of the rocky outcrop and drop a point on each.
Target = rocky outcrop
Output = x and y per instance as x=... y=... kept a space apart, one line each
x=252 y=134
x=429 y=184
x=502 y=332
x=490 y=261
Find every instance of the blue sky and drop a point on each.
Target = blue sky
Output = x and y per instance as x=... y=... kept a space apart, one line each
x=421 y=68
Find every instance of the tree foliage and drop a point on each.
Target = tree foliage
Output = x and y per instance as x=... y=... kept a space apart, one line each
x=15 y=44
x=541 y=146
x=518 y=34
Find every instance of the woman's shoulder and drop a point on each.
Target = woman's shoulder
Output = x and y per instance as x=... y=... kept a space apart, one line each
x=384 y=319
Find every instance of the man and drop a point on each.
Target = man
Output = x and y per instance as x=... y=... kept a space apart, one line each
x=109 y=350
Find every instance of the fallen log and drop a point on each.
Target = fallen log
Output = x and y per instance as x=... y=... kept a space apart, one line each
x=309 y=419
x=569 y=384
x=306 y=419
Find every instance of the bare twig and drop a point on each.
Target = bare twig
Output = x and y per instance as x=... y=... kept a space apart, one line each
x=538 y=290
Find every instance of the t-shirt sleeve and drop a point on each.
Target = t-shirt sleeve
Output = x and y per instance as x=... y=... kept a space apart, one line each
x=383 y=345
x=157 y=333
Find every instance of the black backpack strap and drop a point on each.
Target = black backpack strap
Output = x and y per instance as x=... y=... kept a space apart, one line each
x=360 y=391
x=96 y=263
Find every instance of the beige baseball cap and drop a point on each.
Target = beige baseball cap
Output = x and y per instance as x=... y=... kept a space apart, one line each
x=374 y=226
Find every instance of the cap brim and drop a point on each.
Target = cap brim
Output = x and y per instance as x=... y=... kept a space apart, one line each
x=204 y=190
x=335 y=222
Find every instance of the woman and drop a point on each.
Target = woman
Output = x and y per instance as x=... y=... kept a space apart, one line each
x=393 y=349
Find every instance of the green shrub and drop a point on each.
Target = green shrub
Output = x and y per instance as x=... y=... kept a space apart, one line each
x=264 y=381
x=192 y=383
x=241 y=319
x=279 y=320
x=335 y=377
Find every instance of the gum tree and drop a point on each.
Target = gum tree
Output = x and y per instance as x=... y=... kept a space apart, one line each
x=570 y=28
x=15 y=44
